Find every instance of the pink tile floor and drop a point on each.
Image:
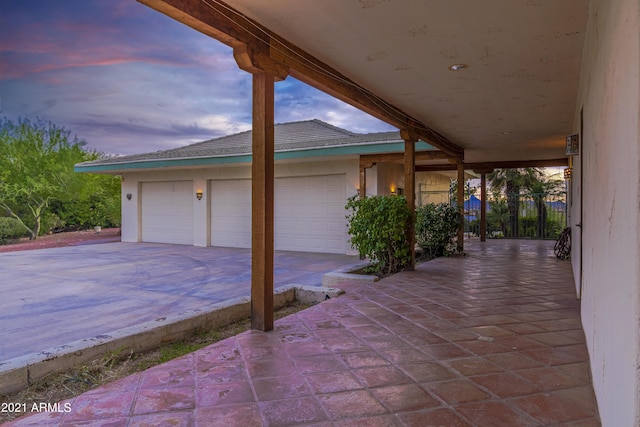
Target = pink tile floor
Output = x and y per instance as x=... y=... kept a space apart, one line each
x=492 y=339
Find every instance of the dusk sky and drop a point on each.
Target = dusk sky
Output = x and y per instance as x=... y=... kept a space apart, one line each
x=128 y=79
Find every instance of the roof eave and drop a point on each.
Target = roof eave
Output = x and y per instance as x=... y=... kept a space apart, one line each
x=372 y=148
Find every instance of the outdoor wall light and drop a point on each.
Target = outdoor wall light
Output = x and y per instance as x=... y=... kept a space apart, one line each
x=129 y=196
x=568 y=173
x=199 y=194
x=458 y=67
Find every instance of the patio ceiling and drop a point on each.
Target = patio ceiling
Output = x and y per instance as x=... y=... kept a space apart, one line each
x=515 y=100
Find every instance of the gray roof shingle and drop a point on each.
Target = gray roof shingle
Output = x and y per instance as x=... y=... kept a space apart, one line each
x=304 y=135
x=294 y=136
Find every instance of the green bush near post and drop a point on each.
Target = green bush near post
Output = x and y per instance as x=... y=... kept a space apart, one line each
x=378 y=228
x=436 y=228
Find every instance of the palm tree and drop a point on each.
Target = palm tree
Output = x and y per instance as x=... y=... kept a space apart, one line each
x=539 y=190
x=498 y=215
x=512 y=181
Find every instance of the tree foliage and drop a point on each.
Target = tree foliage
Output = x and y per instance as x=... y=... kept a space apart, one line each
x=498 y=216
x=513 y=181
x=378 y=228
x=92 y=200
x=36 y=171
x=10 y=230
x=436 y=228
x=540 y=190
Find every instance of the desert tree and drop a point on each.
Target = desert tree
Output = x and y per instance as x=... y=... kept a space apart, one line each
x=36 y=167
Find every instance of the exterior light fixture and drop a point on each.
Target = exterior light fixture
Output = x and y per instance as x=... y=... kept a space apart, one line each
x=573 y=145
x=129 y=196
x=568 y=173
x=458 y=67
x=199 y=194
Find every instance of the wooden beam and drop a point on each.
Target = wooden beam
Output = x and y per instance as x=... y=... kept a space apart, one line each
x=495 y=165
x=460 y=203
x=410 y=195
x=262 y=183
x=483 y=171
x=399 y=157
x=257 y=61
x=224 y=23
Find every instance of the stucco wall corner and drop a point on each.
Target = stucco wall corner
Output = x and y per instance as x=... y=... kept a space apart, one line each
x=606 y=201
x=637 y=275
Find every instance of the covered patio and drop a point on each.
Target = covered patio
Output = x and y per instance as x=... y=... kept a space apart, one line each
x=492 y=338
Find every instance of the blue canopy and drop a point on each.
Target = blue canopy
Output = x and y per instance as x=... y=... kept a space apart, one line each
x=473 y=204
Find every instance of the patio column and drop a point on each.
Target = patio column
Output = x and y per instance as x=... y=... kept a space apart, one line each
x=483 y=171
x=262 y=183
x=483 y=207
x=363 y=181
x=257 y=61
x=410 y=191
x=460 y=203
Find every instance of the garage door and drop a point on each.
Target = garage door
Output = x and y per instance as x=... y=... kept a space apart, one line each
x=167 y=212
x=231 y=213
x=309 y=214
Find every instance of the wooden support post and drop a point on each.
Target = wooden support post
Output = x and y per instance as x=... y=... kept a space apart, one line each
x=410 y=195
x=460 y=203
x=363 y=181
x=262 y=179
x=483 y=207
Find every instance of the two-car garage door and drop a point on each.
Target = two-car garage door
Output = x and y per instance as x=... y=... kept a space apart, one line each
x=309 y=213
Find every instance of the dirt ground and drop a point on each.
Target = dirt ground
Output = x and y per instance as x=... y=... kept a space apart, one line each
x=64 y=239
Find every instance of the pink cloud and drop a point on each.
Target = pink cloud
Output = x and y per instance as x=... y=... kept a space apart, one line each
x=46 y=56
x=116 y=35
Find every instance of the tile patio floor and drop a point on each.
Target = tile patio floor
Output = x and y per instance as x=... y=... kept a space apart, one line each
x=492 y=339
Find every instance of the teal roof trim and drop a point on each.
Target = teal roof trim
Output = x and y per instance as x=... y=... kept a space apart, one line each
x=284 y=155
x=169 y=163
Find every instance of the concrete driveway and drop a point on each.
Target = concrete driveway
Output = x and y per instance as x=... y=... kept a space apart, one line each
x=55 y=296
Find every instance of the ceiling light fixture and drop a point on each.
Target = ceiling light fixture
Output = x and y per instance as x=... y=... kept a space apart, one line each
x=458 y=67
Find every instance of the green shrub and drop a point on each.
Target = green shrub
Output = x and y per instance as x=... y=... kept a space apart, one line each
x=50 y=223
x=529 y=228
x=378 y=229
x=95 y=201
x=436 y=228
x=11 y=230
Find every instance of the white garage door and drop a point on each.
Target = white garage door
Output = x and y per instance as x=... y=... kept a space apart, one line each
x=231 y=213
x=309 y=214
x=167 y=212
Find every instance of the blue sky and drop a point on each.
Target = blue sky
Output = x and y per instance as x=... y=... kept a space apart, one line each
x=128 y=79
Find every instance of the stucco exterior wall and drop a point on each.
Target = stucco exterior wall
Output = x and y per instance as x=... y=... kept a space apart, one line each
x=383 y=177
x=608 y=173
x=129 y=226
x=372 y=180
x=390 y=177
x=435 y=187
